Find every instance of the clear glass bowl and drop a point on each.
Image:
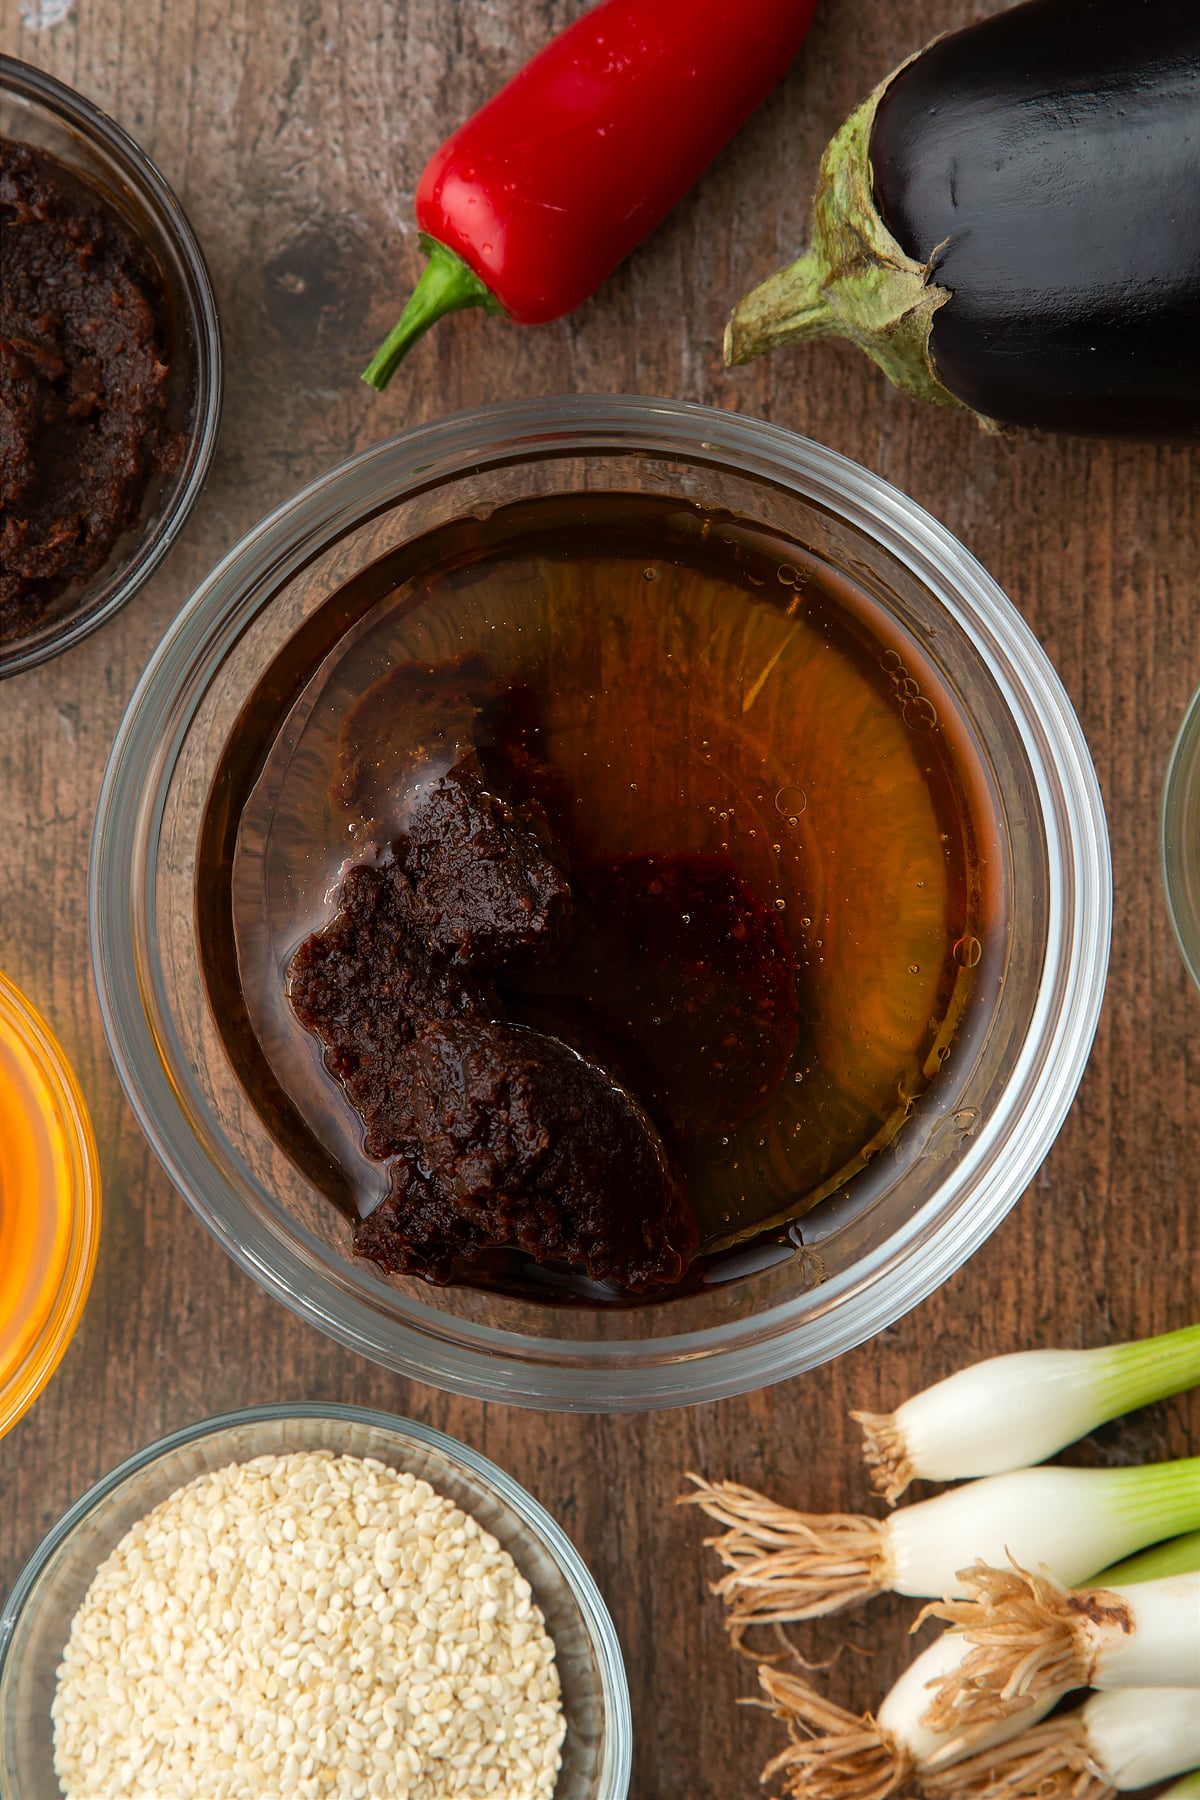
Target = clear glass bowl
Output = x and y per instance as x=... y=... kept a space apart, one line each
x=36 y=109
x=963 y=1157
x=1179 y=837
x=49 y=1204
x=36 y=1621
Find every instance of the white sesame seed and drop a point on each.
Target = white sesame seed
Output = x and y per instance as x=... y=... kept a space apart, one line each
x=192 y=1668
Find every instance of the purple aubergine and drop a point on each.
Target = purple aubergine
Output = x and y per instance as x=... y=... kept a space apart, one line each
x=1011 y=223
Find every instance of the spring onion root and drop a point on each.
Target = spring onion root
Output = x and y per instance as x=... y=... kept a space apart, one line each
x=852 y=1758
x=783 y=1565
x=786 y=1566
x=1013 y=1411
x=1125 y=1739
x=1029 y=1637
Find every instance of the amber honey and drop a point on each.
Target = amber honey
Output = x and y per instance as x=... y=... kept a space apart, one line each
x=49 y=1204
x=699 y=687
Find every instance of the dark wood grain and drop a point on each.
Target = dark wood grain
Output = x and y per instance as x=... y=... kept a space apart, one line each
x=294 y=131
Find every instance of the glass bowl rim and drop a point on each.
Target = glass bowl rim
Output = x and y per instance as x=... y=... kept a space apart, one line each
x=531 y=1514
x=58 y=1328
x=711 y=1362
x=1181 y=777
x=82 y=115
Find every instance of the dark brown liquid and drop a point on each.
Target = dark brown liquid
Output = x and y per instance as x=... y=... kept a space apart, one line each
x=699 y=688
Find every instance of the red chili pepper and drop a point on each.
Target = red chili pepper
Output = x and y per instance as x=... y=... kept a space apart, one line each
x=528 y=206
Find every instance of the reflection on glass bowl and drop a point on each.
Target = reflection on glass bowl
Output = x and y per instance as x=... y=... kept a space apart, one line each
x=890 y=1232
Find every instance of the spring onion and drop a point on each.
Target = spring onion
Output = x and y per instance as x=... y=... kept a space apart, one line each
x=840 y=1755
x=1030 y=1638
x=1013 y=1411
x=1186 y=1788
x=785 y=1565
x=1127 y=1738
x=1177 y=1556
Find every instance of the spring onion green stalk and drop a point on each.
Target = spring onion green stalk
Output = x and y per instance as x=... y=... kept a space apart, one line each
x=785 y=1565
x=1178 y=1556
x=1127 y=1738
x=1030 y=1637
x=838 y=1755
x=1013 y=1411
x=1186 y=1788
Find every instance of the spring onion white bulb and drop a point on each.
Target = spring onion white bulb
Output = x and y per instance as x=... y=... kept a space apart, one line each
x=786 y=1565
x=1012 y=1411
x=838 y=1755
x=1030 y=1637
x=1125 y=1739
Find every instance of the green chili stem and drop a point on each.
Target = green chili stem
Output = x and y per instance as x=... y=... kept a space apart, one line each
x=446 y=285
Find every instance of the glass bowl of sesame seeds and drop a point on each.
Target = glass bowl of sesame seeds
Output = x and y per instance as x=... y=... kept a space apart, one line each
x=317 y=1600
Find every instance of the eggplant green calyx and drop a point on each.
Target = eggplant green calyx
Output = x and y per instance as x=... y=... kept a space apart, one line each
x=854 y=282
x=446 y=285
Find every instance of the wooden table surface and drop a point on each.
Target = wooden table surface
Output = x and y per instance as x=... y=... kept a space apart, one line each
x=294 y=132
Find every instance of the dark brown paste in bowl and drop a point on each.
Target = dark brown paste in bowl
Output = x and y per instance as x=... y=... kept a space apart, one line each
x=83 y=369
x=527 y=1037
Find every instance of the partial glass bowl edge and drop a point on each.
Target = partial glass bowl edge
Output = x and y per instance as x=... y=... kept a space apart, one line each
x=1179 y=838
x=186 y=276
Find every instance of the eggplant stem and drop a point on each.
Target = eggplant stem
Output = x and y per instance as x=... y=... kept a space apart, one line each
x=789 y=304
x=855 y=280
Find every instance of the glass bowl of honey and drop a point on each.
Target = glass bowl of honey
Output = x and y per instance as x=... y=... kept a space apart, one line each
x=49 y=1204
x=600 y=903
